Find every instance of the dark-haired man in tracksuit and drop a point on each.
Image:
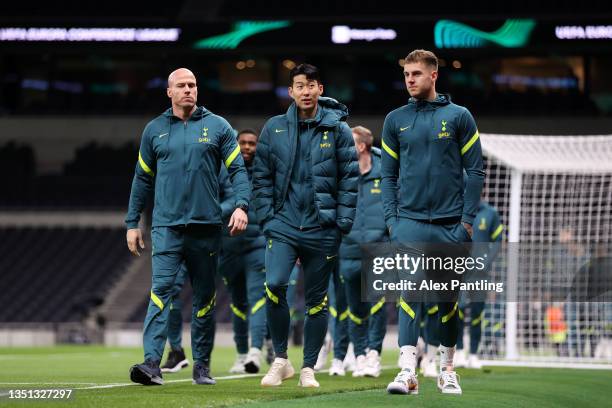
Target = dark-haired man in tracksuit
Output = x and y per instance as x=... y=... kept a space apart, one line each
x=305 y=190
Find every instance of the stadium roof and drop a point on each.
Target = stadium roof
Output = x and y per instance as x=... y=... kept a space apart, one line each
x=197 y=11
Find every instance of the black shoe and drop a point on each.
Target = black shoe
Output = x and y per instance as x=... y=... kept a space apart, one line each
x=201 y=375
x=176 y=361
x=147 y=373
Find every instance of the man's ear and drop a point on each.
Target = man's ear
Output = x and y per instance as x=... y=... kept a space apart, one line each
x=290 y=91
x=434 y=75
x=321 y=89
x=169 y=92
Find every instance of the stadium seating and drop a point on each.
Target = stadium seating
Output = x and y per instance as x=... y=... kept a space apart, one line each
x=57 y=274
x=99 y=177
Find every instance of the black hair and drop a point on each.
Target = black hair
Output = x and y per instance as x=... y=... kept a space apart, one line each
x=310 y=71
x=245 y=131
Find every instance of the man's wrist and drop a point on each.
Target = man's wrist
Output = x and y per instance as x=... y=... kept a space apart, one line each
x=243 y=206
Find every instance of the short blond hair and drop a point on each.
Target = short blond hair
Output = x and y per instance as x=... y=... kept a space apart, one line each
x=364 y=136
x=424 y=56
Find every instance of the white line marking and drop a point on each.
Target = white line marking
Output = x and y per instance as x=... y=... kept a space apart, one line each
x=48 y=383
x=226 y=377
x=113 y=354
x=542 y=364
x=486 y=363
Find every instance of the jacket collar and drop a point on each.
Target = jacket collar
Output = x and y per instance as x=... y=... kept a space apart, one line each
x=423 y=104
x=329 y=113
x=198 y=114
x=374 y=172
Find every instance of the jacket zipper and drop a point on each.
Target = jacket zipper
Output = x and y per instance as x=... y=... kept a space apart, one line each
x=292 y=141
x=429 y=144
x=185 y=172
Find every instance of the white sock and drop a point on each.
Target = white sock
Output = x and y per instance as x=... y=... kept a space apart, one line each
x=447 y=355
x=408 y=358
x=431 y=352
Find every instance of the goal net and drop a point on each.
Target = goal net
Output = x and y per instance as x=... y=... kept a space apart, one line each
x=554 y=197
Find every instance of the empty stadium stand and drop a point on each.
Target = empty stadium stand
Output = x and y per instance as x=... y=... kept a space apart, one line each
x=57 y=274
x=99 y=177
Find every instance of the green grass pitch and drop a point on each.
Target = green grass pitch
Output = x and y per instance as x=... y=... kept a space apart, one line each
x=88 y=368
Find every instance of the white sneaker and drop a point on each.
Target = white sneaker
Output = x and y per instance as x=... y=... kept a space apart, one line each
x=349 y=360
x=238 y=367
x=460 y=360
x=429 y=368
x=323 y=353
x=360 y=365
x=405 y=383
x=448 y=382
x=253 y=361
x=473 y=362
x=307 y=378
x=337 y=368
x=280 y=370
x=372 y=365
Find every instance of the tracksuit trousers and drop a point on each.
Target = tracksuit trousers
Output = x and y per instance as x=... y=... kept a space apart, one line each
x=195 y=246
x=317 y=249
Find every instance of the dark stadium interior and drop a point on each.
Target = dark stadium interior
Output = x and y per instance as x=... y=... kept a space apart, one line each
x=54 y=274
x=84 y=263
x=545 y=77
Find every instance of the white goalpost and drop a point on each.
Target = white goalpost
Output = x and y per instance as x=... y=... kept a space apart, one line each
x=554 y=196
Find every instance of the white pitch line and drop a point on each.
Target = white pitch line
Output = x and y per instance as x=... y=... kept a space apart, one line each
x=486 y=363
x=47 y=383
x=226 y=377
x=541 y=364
x=113 y=354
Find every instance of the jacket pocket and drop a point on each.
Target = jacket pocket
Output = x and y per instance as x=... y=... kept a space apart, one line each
x=464 y=233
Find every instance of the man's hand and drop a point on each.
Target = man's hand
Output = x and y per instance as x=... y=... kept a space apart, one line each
x=238 y=222
x=468 y=228
x=134 y=240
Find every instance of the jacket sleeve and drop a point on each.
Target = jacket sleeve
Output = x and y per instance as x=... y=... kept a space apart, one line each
x=389 y=171
x=471 y=158
x=263 y=188
x=226 y=195
x=495 y=235
x=348 y=178
x=232 y=159
x=496 y=228
x=144 y=180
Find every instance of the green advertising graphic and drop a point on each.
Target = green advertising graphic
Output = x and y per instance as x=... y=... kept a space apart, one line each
x=513 y=33
x=240 y=31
